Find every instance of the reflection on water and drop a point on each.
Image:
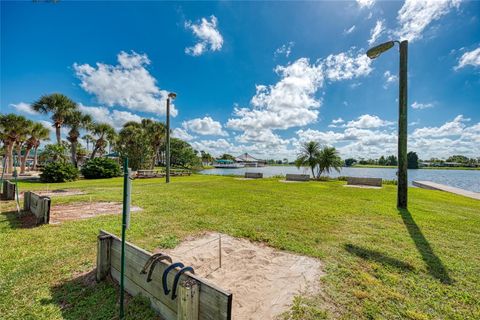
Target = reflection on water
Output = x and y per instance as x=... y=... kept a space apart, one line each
x=465 y=179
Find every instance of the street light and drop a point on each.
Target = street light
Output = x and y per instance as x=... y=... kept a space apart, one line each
x=171 y=96
x=402 y=116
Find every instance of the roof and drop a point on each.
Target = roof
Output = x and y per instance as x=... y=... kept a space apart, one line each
x=245 y=157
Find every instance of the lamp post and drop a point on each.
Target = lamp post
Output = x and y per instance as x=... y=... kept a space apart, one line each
x=373 y=53
x=171 y=96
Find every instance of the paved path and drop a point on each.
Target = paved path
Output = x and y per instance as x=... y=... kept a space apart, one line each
x=437 y=186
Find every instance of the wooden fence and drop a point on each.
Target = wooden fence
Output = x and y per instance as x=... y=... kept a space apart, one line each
x=196 y=298
x=38 y=205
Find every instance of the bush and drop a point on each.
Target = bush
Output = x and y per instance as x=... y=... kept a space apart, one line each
x=59 y=172
x=100 y=168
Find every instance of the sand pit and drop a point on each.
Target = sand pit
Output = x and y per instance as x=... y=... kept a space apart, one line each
x=263 y=280
x=58 y=192
x=85 y=210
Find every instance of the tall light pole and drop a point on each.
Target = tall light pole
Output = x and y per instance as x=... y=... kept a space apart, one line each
x=402 y=190
x=171 y=96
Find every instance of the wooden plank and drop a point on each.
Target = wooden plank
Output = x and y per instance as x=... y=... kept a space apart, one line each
x=357 y=181
x=297 y=177
x=104 y=244
x=215 y=303
x=188 y=300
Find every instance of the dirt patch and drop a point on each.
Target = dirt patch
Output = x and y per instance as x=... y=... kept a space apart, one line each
x=263 y=280
x=59 y=192
x=85 y=210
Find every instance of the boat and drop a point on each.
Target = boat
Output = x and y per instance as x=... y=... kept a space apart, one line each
x=227 y=164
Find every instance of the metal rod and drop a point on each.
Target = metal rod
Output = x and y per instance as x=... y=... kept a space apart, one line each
x=167 y=151
x=402 y=128
x=124 y=227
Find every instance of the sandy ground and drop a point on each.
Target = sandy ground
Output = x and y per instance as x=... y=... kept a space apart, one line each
x=263 y=280
x=361 y=186
x=289 y=181
x=85 y=210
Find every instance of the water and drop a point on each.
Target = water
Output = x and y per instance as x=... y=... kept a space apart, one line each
x=464 y=179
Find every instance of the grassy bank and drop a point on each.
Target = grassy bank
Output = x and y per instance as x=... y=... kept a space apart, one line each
x=428 y=168
x=380 y=263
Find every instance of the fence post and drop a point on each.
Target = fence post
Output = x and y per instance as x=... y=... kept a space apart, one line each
x=188 y=300
x=104 y=245
x=26 y=201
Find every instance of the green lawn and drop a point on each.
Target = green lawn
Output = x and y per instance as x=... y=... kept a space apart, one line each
x=380 y=263
x=421 y=168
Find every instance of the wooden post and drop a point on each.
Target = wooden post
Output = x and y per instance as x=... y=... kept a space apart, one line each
x=402 y=128
x=26 y=201
x=104 y=245
x=188 y=300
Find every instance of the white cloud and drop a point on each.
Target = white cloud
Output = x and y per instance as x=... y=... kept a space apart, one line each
x=417 y=105
x=115 y=118
x=182 y=134
x=365 y=3
x=452 y=128
x=376 y=32
x=205 y=126
x=349 y=30
x=389 y=78
x=416 y=15
x=336 y=122
x=285 y=49
x=127 y=84
x=346 y=65
x=49 y=126
x=368 y=121
x=23 y=107
x=471 y=58
x=208 y=35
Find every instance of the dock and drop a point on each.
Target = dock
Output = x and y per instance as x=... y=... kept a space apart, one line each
x=438 y=186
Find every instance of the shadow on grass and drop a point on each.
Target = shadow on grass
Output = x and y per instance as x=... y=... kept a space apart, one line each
x=434 y=265
x=83 y=298
x=24 y=221
x=379 y=257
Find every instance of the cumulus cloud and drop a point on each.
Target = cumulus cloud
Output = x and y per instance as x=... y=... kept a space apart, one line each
x=205 y=126
x=365 y=3
x=285 y=49
x=336 y=122
x=182 y=134
x=376 y=32
x=417 y=105
x=469 y=58
x=368 y=121
x=454 y=127
x=127 y=84
x=23 y=107
x=415 y=16
x=209 y=38
x=115 y=118
x=346 y=65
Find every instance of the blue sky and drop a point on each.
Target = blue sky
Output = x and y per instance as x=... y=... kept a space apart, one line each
x=258 y=77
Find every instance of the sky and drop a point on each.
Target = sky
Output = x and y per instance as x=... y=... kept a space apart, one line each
x=256 y=77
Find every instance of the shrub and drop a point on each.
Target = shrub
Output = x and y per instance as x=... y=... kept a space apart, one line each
x=100 y=168
x=59 y=172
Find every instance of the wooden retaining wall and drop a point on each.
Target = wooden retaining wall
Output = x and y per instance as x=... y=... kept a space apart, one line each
x=38 y=205
x=8 y=190
x=297 y=177
x=253 y=175
x=374 y=182
x=196 y=298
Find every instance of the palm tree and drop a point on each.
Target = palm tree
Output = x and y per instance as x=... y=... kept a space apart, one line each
x=36 y=133
x=88 y=138
x=76 y=120
x=329 y=159
x=59 y=106
x=104 y=132
x=156 y=133
x=308 y=156
x=14 y=129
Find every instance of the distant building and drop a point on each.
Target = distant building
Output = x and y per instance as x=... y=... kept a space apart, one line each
x=249 y=161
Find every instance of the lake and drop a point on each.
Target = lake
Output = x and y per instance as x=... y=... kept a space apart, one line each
x=464 y=179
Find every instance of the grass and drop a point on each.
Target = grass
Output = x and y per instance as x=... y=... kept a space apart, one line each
x=380 y=263
x=429 y=168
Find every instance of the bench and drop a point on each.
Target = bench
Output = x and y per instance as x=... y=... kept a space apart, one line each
x=253 y=175
x=297 y=177
x=38 y=205
x=355 y=181
x=8 y=192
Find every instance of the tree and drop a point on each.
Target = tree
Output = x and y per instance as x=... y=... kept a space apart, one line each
x=88 y=139
x=329 y=159
x=308 y=156
x=59 y=106
x=103 y=133
x=76 y=120
x=350 y=162
x=182 y=154
x=55 y=153
x=412 y=160
x=36 y=133
x=382 y=161
x=227 y=156
x=391 y=161
x=13 y=130
x=156 y=132
x=133 y=142
x=206 y=157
